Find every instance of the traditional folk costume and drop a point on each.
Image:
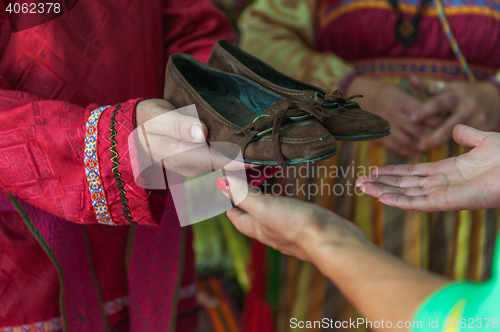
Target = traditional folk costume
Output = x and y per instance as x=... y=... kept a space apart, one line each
x=82 y=246
x=325 y=43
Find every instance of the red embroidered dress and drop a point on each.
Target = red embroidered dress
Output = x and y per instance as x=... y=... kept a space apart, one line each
x=58 y=149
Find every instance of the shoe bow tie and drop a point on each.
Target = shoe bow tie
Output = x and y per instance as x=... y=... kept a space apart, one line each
x=279 y=113
x=333 y=98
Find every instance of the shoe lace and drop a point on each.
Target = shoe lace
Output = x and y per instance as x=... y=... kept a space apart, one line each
x=335 y=99
x=278 y=114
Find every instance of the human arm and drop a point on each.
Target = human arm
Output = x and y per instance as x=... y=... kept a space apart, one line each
x=281 y=33
x=372 y=280
x=467 y=182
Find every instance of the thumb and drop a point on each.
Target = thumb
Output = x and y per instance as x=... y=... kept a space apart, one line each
x=181 y=124
x=468 y=136
x=251 y=200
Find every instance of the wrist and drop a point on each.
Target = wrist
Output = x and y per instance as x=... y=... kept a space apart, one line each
x=325 y=244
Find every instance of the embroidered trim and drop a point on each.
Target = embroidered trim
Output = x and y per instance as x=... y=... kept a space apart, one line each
x=116 y=305
x=453 y=42
x=51 y=325
x=114 y=159
x=97 y=194
x=55 y=324
x=328 y=13
x=188 y=291
x=425 y=67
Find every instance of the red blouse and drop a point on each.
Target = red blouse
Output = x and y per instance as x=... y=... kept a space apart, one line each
x=51 y=78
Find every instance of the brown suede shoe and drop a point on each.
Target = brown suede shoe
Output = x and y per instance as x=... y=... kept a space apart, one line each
x=347 y=121
x=267 y=128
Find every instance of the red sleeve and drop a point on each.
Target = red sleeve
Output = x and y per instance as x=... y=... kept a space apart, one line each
x=46 y=159
x=193 y=27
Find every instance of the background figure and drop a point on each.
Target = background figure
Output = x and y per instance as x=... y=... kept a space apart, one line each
x=369 y=47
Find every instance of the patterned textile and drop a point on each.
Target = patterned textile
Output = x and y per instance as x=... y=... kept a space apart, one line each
x=321 y=41
x=435 y=69
x=92 y=169
x=118 y=176
x=54 y=324
x=51 y=78
x=114 y=306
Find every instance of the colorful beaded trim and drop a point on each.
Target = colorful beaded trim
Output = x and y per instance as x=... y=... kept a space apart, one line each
x=55 y=324
x=440 y=69
x=47 y=326
x=116 y=305
x=453 y=42
x=92 y=169
x=114 y=159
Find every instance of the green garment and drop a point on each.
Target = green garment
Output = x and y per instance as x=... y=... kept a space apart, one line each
x=463 y=306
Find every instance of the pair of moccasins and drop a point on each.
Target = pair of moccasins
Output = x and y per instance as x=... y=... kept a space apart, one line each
x=270 y=118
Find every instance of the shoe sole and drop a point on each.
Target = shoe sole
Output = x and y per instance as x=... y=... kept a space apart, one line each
x=286 y=163
x=361 y=137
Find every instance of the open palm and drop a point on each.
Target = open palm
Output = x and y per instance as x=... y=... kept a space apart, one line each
x=468 y=182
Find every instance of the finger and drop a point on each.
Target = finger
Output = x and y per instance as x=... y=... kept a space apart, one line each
x=434 y=121
x=468 y=136
x=192 y=156
x=419 y=84
x=220 y=161
x=412 y=203
x=443 y=133
x=176 y=154
x=228 y=163
x=249 y=199
x=242 y=221
x=422 y=169
x=399 y=181
x=377 y=189
x=394 y=147
x=446 y=101
x=412 y=105
x=178 y=126
x=401 y=143
x=408 y=126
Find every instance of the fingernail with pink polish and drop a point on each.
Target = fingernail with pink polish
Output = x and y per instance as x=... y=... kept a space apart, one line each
x=222 y=185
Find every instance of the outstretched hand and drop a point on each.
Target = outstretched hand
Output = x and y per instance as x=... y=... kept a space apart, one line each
x=467 y=182
x=286 y=224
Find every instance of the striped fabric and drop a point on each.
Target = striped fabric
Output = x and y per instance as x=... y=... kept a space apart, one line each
x=223 y=318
